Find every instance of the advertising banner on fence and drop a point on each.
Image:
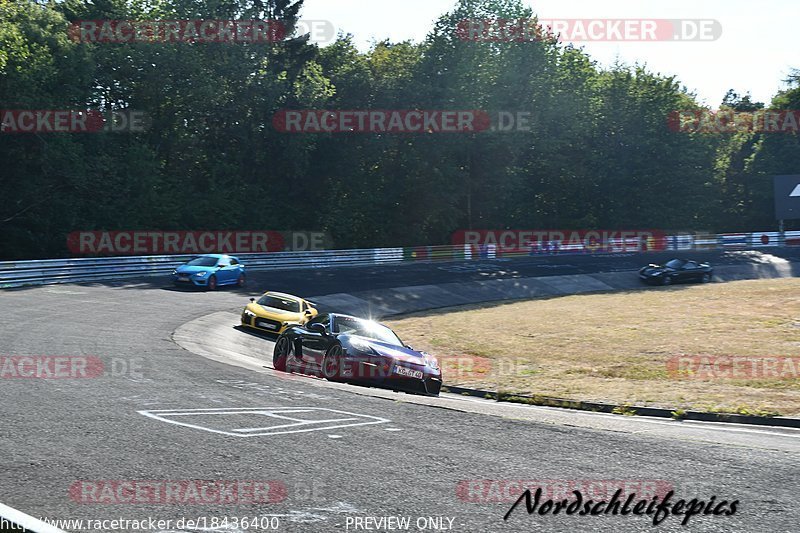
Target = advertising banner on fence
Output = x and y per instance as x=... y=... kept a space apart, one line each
x=765 y=238
x=733 y=241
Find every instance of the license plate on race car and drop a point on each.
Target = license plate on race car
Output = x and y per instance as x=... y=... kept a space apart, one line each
x=403 y=371
x=268 y=326
x=183 y=278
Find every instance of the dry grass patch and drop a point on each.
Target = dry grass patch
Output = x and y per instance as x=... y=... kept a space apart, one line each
x=614 y=347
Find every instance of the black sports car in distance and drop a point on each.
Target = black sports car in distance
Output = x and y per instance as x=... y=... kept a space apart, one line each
x=676 y=271
x=346 y=348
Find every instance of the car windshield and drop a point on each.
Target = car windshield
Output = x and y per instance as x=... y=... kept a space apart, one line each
x=276 y=302
x=676 y=263
x=366 y=328
x=203 y=262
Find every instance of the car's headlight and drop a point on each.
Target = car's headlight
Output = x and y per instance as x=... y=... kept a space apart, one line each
x=249 y=313
x=360 y=344
x=431 y=361
x=201 y=274
x=174 y=272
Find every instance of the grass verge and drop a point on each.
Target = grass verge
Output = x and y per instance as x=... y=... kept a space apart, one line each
x=616 y=347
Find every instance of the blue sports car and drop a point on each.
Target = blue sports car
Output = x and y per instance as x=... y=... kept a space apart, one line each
x=210 y=271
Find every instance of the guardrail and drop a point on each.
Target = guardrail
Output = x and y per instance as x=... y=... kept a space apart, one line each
x=49 y=271
x=52 y=271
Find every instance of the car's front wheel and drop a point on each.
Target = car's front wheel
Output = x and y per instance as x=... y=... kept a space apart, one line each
x=241 y=281
x=666 y=281
x=280 y=355
x=706 y=278
x=332 y=363
x=212 y=283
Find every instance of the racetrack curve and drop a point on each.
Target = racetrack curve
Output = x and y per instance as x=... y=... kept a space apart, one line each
x=408 y=457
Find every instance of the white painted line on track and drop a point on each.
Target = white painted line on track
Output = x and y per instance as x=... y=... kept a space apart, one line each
x=297 y=425
x=26 y=521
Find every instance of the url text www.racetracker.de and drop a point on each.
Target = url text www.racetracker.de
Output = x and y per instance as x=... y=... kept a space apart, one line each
x=235 y=523
x=660 y=511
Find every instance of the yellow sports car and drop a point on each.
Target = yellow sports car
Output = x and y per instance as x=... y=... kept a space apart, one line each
x=275 y=311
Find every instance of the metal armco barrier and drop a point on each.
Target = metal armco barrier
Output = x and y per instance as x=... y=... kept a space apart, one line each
x=48 y=271
x=51 y=271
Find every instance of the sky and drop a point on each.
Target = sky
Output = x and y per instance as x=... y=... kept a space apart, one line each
x=755 y=53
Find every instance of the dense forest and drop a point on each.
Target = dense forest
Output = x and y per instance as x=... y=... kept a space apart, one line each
x=598 y=153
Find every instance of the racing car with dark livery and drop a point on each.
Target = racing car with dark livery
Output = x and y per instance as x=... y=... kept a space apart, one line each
x=676 y=271
x=345 y=348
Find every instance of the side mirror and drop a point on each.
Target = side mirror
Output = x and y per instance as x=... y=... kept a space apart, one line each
x=307 y=312
x=317 y=328
x=407 y=346
x=252 y=299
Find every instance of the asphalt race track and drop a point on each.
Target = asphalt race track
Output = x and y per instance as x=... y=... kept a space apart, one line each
x=326 y=454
